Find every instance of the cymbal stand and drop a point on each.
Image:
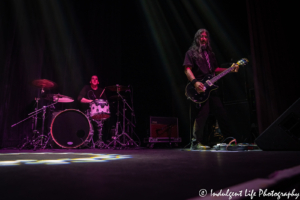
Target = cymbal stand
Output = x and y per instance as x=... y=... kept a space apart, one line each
x=116 y=138
x=40 y=139
x=129 y=122
x=118 y=119
x=33 y=127
x=36 y=141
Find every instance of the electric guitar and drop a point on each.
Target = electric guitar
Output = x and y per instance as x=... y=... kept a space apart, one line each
x=208 y=82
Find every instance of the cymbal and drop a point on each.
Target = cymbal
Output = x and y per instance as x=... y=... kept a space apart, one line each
x=43 y=83
x=62 y=98
x=59 y=98
x=119 y=87
x=116 y=97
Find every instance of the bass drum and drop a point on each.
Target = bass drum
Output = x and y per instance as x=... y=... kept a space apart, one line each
x=70 y=128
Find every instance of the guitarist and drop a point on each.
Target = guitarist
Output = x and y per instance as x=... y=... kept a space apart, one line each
x=200 y=61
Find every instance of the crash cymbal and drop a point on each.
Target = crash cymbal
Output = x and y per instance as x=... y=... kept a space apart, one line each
x=116 y=97
x=43 y=83
x=119 y=87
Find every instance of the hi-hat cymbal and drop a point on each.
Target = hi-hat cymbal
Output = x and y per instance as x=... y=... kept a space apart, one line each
x=117 y=87
x=43 y=83
x=62 y=98
x=59 y=98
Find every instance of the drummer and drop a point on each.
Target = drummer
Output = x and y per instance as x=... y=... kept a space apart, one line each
x=88 y=94
x=91 y=92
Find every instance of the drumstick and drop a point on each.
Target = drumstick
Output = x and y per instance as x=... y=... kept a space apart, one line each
x=102 y=92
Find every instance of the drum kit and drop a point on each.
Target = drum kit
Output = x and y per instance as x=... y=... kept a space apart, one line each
x=71 y=128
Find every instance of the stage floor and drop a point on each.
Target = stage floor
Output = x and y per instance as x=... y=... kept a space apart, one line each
x=131 y=174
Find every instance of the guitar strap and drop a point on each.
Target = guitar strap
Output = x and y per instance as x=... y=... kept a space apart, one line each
x=206 y=55
x=207 y=59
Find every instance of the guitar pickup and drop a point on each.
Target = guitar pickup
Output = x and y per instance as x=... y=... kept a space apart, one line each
x=209 y=83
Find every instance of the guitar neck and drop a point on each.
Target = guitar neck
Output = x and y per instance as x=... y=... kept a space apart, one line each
x=214 y=79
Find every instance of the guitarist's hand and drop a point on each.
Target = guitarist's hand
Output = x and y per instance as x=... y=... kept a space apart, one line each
x=199 y=87
x=235 y=67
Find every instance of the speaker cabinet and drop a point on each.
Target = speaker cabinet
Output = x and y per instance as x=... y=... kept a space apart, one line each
x=284 y=133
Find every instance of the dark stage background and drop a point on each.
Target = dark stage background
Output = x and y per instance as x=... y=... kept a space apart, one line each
x=141 y=44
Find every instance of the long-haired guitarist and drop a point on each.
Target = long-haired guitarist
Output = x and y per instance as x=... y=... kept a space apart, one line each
x=199 y=62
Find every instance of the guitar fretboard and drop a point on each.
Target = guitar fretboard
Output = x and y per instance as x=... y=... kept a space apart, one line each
x=214 y=79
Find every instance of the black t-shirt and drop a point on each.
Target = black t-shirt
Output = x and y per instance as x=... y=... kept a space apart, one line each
x=89 y=93
x=199 y=64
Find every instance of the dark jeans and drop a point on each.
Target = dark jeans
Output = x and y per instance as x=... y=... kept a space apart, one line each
x=105 y=134
x=215 y=106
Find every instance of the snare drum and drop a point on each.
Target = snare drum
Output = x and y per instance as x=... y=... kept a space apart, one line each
x=71 y=128
x=99 y=109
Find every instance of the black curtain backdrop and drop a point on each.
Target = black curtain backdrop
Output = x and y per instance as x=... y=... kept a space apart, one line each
x=274 y=53
x=137 y=43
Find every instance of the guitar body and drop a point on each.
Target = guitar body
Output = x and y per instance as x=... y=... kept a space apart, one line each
x=193 y=95
x=208 y=82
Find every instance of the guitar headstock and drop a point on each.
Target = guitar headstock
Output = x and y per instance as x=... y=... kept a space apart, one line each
x=243 y=61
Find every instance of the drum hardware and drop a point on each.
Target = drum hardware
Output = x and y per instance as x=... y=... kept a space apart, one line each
x=116 y=97
x=89 y=142
x=100 y=144
x=128 y=121
x=42 y=84
x=116 y=138
x=36 y=140
x=117 y=88
x=34 y=124
x=47 y=141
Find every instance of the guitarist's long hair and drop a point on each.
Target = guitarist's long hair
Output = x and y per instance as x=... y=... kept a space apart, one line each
x=197 y=47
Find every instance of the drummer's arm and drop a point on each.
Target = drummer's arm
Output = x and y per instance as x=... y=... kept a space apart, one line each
x=84 y=100
x=81 y=96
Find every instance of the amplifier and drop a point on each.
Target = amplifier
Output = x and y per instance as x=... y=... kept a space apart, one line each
x=164 y=129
